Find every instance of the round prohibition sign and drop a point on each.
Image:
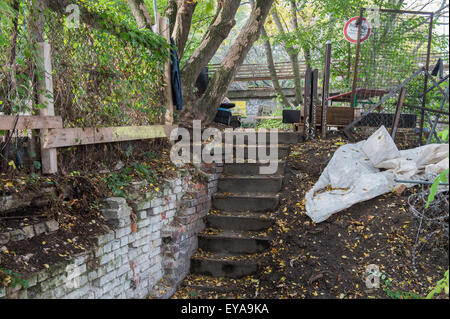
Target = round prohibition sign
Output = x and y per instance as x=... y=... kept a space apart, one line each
x=351 y=30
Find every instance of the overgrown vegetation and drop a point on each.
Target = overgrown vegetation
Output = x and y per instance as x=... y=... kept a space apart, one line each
x=100 y=78
x=10 y=279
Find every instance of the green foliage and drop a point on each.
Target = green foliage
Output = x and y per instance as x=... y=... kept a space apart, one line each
x=444 y=135
x=150 y=155
x=111 y=79
x=118 y=183
x=441 y=178
x=37 y=165
x=273 y=123
x=441 y=286
x=11 y=279
x=395 y=294
x=388 y=56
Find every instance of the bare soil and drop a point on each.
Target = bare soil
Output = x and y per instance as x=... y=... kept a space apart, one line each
x=329 y=260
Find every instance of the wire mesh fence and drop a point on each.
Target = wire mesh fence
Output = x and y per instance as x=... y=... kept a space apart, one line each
x=398 y=44
x=433 y=224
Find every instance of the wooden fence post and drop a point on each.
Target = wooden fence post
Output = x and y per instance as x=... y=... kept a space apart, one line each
x=45 y=86
x=307 y=100
x=326 y=89
x=314 y=101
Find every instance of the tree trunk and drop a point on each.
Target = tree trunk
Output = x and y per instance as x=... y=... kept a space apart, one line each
x=182 y=24
x=217 y=32
x=206 y=107
x=272 y=70
x=171 y=13
x=140 y=13
x=293 y=56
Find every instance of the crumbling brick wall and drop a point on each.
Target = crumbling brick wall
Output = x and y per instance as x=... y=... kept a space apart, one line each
x=146 y=253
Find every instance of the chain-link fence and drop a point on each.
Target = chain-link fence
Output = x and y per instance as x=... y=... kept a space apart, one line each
x=100 y=78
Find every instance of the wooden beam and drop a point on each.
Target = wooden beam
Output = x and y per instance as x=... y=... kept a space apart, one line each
x=48 y=156
x=27 y=122
x=398 y=111
x=77 y=136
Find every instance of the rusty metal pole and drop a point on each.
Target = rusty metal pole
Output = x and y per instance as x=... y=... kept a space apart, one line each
x=427 y=68
x=326 y=89
x=355 y=70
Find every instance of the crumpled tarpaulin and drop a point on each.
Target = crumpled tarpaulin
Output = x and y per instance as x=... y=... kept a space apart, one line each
x=365 y=170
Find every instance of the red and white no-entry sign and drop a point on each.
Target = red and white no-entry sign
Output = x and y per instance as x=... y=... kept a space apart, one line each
x=351 y=30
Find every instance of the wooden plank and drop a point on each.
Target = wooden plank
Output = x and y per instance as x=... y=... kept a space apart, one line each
x=48 y=156
x=77 y=136
x=30 y=122
x=398 y=111
x=337 y=115
x=326 y=88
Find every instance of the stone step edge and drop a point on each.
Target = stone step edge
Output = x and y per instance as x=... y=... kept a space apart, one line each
x=243 y=215
x=247 y=195
x=246 y=235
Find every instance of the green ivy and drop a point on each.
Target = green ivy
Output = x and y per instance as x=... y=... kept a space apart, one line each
x=441 y=286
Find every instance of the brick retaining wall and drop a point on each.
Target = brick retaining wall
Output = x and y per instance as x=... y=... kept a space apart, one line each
x=147 y=252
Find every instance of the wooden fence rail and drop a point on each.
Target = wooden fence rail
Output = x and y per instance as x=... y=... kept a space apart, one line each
x=8 y=122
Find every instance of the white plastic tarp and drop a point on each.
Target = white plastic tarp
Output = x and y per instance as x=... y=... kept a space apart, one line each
x=362 y=171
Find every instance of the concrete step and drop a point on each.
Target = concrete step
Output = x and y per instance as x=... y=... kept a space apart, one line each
x=222 y=267
x=283 y=137
x=239 y=221
x=250 y=168
x=280 y=151
x=208 y=284
x=245 y=202
x=233 y=242
x=267 y=184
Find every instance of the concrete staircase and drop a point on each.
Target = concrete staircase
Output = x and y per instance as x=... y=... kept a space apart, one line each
x=237 y=226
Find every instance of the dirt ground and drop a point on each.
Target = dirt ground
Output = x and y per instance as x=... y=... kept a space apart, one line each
x=329 y=260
